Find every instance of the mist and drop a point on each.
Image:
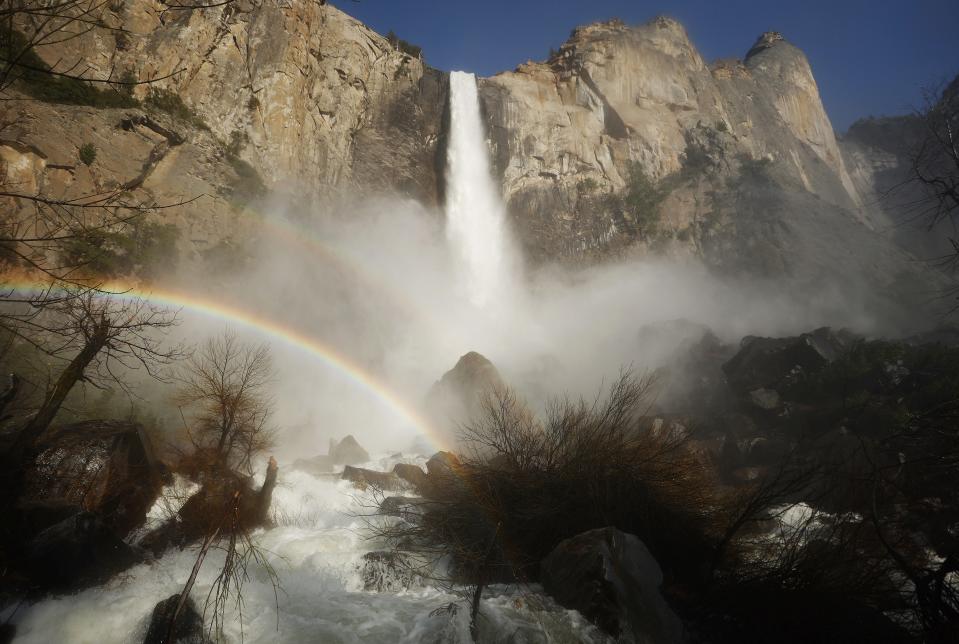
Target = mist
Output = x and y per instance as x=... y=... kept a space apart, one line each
x=378 y=281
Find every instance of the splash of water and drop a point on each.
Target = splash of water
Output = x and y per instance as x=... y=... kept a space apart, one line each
x=475 y=216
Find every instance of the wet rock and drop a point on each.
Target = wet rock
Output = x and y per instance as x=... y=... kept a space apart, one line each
x=78 y=551
x=384 y=571
x=612 y=579
x=348 y=452
x=442 y=464
x=362 y=478
x=7 y=633
x=187 y=630
x=408 y=508
x=412 y=474
x=105 y=466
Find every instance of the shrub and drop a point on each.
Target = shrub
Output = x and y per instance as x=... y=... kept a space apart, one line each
x=169 y=101
x=87 y=153
x=401 y=45
x=35 y=78
x=587 y=186
x=642 y=199
x=249 y=184
x=140 y=247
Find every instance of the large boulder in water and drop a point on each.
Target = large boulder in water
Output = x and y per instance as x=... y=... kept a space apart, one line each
x=612 y=579
x=78 y=551
x=105 y=466
x=348 y=452
x=188 y=628
x=412 y=474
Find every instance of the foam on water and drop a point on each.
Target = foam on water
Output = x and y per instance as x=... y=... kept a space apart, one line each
x=317 y=552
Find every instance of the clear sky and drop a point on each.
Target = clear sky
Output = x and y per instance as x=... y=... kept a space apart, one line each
x=870 y=57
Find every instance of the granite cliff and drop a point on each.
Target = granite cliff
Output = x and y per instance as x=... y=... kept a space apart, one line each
x=623 y=142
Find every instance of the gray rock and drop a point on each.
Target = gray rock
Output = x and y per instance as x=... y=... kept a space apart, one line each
x=612 y=579
x=187 y=630
x=348 y=452
x=412 y=474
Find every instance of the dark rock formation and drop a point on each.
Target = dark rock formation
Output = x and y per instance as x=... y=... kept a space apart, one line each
x=765 y=365
x=612 y=579
x=188 y=628
x=78 y=551
x=412 y=474
x=105 y=466
x=442 y=465
x=348 y=452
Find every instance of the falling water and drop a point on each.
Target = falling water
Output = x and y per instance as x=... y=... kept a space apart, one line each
x=475 y=216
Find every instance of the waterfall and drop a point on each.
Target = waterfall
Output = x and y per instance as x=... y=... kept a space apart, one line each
x=475 y=215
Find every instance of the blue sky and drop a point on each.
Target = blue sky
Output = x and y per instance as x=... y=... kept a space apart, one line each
x=869 y=57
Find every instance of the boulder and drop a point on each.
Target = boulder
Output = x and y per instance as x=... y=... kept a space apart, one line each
x=362 y=478
x=612 y=579
x=348 y=452
x=764 y=364
x=457 y=397
x=412 y=474
x=78 y=551
x=442 y=464
x=187 y=630
x=384 y=571
x=105 y=466
x=408 y=508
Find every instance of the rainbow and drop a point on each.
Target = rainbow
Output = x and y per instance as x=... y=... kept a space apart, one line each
x=271 y=329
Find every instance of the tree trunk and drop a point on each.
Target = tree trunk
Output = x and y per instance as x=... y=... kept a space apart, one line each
x=73 y=372
x=266 y=491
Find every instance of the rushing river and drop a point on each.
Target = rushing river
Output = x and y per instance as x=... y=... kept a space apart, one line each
x=317 y=553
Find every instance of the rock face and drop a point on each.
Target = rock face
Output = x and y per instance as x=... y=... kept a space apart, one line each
x=296 y=98
x=625 y=141
x=612 y=579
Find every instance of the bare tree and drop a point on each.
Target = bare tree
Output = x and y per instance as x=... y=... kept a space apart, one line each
x=224 y=389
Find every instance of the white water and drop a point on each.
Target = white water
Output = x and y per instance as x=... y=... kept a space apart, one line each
x=316 y=551
x=475 y=216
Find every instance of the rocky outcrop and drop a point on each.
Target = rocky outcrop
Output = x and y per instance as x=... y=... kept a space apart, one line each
x=626 y=141
x=248 y=97
x=348 y=452
x=612 y=579
x=458 y=396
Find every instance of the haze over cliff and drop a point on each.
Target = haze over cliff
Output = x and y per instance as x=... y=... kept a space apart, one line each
x=624 y=143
